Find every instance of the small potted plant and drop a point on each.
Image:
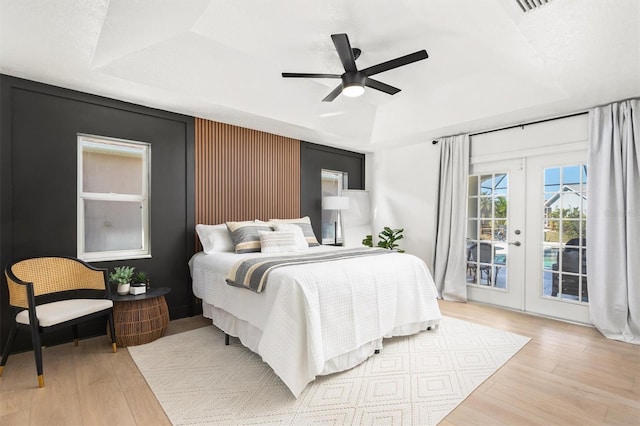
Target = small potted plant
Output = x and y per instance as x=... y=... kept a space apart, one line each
x=141 y=279
x=122 y=276
x=388 y=238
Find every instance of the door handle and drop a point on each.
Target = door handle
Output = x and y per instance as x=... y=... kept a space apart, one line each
x=517 y=244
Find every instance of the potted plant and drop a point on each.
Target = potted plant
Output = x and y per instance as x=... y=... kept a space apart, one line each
x=388 y=238
x=141 y=277
x=122 y=276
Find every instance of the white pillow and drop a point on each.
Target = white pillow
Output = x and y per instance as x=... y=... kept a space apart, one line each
x=301 y=241
x=277 y=242
x=214 y=238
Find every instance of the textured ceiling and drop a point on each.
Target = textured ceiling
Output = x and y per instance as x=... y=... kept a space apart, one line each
x=489 y=63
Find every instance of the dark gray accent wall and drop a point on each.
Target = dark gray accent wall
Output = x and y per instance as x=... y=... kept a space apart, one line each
x=38 y=181
x=314 y=158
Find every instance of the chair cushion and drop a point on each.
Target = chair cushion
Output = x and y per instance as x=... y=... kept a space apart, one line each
x=58 y=312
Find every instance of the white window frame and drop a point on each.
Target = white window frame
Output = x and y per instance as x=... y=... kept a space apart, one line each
x=144 y=199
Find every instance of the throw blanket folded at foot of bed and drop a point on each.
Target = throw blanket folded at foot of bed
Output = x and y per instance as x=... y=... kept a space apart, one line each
x=252 y=273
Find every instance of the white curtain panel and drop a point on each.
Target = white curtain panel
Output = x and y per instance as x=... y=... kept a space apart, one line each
x=356 y=220
x=613 y=220
x=449 y=263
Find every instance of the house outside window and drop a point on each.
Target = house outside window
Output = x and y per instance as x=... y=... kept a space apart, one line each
x=113 y=198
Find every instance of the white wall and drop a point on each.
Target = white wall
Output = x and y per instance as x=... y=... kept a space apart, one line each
x=403 y=183
x=527 y=141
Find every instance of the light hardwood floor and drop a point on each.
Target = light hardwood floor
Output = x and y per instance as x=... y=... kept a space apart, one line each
x=567 y=374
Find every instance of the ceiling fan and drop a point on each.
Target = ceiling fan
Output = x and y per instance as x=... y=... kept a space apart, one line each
x=354 y=80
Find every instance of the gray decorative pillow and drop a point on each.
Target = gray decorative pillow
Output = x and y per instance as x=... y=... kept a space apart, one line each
x=305 y=224
x=246 y=235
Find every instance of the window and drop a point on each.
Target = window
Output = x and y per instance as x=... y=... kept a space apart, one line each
x=113 y=198
x=333 y=182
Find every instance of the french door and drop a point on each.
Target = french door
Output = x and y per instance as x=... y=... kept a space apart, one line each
x=526 y=235
x=556 y=268
x=495 y=224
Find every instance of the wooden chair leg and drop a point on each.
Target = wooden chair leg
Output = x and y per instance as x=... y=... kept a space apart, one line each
x=112 y=329
x=74 y=328
x=7 y=348
x=37 y=350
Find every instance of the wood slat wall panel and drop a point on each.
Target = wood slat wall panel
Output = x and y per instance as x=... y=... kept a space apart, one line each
x=244 y=174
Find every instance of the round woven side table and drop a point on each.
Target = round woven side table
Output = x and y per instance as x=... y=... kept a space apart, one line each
x=142 y=318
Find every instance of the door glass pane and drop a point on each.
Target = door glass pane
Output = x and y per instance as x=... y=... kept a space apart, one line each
x=564 y=237
x=473 y=186
x=472 y=266
x=472 y=229
x=487 y=227
x=486 y=207
x=485 y=230
x=571 y=202
x=486 y=185
x=552 y=180
x=472 y=207
x=570 y=231
x=501 y=184
x=571 y=176
x=552 y=231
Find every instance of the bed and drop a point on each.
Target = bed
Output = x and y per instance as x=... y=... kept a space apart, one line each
x=318 y=318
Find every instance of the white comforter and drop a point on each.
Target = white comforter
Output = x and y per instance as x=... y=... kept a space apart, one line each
x=311 y=315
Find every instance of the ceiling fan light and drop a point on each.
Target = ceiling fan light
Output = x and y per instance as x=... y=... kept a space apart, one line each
x=353 y=90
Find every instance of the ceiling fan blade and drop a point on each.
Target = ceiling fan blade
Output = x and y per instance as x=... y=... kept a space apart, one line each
x=341 y=42
x=378 y=85
x=334 y=94
x=395 y=63
x=307 y=75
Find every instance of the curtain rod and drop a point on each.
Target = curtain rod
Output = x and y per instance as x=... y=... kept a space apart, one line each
x=529 y=123
x=575 y=114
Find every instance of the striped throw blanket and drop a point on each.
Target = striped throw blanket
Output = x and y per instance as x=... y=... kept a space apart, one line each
x=252 y=273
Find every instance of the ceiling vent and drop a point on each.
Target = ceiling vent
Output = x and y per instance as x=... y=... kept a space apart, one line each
x=529 y=5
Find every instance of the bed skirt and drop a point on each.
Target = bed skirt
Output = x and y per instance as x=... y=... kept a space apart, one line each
x=250 y=337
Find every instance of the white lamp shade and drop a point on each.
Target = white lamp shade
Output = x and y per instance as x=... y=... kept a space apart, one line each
x=335 y=203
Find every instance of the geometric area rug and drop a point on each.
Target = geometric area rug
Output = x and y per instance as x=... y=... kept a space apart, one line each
x=415 y=379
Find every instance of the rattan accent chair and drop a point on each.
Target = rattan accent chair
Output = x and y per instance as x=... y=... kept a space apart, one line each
x=49 y=293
